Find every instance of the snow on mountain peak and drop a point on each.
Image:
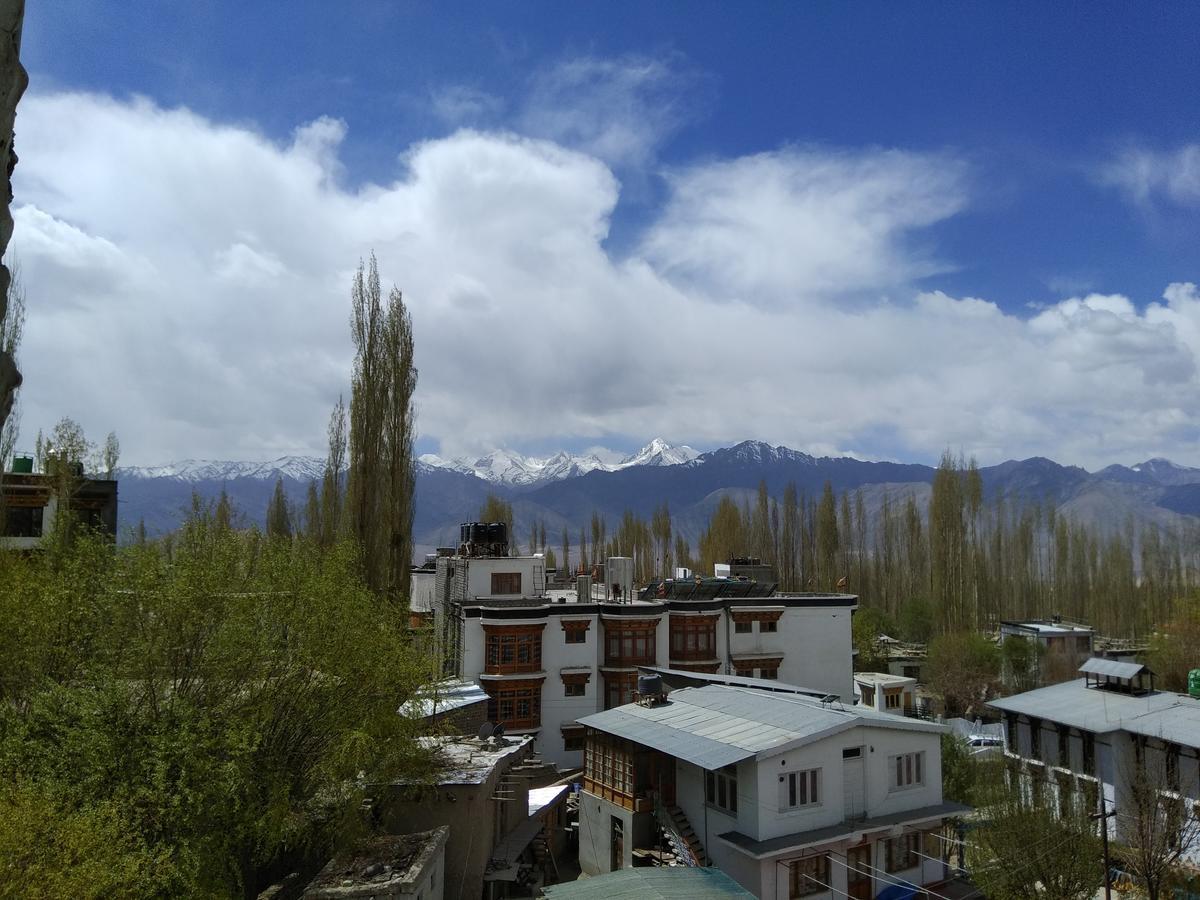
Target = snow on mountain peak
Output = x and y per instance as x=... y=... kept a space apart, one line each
x=511 y=468
x=301 y=468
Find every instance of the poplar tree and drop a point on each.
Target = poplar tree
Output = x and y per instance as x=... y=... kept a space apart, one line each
x=382 y=429
x=279 y=516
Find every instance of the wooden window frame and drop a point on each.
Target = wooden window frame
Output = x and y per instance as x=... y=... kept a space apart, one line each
x=900 y=853
x=630 y=644
x=512 y=649
x=572 y=735
x=623 y=685
x=502 y=582
x=608 y=768
x=799 y=884
x=575 y=683
x=693 y=638
x=746 y=627
x=906 y=771
x=515 y=704
x=575 y=631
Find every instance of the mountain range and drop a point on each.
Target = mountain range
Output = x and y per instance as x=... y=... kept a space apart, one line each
x=562 y=491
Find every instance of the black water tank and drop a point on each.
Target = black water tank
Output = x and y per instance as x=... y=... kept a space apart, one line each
x=497 y=533
x=479 y=533
x=649 y=684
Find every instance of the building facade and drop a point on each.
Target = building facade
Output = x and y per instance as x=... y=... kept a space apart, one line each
x=1097 y=736
x=788 y=795
x=546 y=660
x=31 y=502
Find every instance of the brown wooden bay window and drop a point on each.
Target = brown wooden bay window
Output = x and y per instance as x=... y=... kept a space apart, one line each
x=630 y=643
x=693 y=638
x=512 y=649
x=515 y=704
x=608 y=768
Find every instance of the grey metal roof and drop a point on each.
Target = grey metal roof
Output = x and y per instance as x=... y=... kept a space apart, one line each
x=1161 y=714
x=688 y=678
x=717 y=725
x=1112 y=668
x=801 y=839
x=652 y=883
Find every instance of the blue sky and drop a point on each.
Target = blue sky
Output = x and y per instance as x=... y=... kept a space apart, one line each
x=1024 y=154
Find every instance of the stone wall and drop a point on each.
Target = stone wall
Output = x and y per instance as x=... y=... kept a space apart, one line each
x=13 y=80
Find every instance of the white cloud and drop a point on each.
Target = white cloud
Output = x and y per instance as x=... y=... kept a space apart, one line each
x=618 y=110
x=188 y=286
x=799 y=224
x=1145 y=174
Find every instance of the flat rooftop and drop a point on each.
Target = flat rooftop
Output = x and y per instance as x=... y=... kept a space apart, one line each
x=379 y=867
x=1043 y=627
x=652 y=883
x=469 y=760
x=882 y=679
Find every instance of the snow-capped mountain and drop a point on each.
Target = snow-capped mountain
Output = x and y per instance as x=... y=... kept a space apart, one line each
x=515 y=470
x=300 y=468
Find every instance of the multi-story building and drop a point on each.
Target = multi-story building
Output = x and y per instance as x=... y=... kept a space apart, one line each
x=1098 y=735
x=790 y=795
x=546 y=659
x=29 y=503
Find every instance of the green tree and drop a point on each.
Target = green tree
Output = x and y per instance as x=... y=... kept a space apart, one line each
x=497 y=509
x=869 y=625
x=1021 y=663
x=724 y=537
x=382 y=429
x=964 y=669
x=828 y=543
x=1029 y=850
x=279 y=514
x=209 y=709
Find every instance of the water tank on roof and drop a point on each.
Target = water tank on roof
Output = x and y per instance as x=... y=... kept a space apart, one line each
x=620 y=578
x=1194 y=683
x=497 y=533
x=22 y=465
x=650 y=685
x=479 y=533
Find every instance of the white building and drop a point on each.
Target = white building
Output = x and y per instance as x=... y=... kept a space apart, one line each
x=789 y=795
x=546 y=661
x=1064 y=646
x=1093 y=735
x=883 y=692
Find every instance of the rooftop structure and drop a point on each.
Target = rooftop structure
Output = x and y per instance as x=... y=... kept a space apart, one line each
x=652 y=883
x=394 y=866
x=30 y=505
x=471 y=760
x=789 y=794
x=887 y=693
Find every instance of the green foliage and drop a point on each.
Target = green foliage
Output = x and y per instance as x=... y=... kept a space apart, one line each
x=723 y=538
x=869 y=624
x=959 y=770
x=1029 y=850
x=915 y=621
x=964 y=668
x=1020 y=660
x=203 y=709
x=1175 y=647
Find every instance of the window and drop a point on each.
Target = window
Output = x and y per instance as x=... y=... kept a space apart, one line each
x=891 y=699
x=1064 y=746
x=1010 y=728
x=515 y=704
x=693 y=637
x=720 y=788
x=768 y=626
x=771 y=673
x=745 y=627
x=1035 y=738
x=630 y=643
x=798 y=789
x=22 y=521
x=1171 y=752
x=743 y=669
x=513 y=649
x=576 y=631
x=573 y=740
x=619 y=688
x=901 y=852
x=1089 y=753
x=907 y=770
x=608 y=762
x=506 y=583
x=808 y=876
x=574 y=689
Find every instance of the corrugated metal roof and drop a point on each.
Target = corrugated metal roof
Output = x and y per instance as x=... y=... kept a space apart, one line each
x=652 y=883
x=717 y=725
x=1162 y=714
x=1112 y=668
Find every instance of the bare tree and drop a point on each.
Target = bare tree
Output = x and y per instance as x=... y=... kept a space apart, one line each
x=112 y=453
x=1157 y=824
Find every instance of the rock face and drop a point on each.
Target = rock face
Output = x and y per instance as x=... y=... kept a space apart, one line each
x=13 y=81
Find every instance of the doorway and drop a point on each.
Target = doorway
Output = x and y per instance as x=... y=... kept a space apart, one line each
x=853 y=783
x=617 y=855
x=858 y=872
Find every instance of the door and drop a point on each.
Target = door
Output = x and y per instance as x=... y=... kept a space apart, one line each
x=617 y=856
x=853 y=783
x=858 y=872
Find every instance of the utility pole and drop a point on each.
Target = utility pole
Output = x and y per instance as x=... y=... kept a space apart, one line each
x=1104 y=816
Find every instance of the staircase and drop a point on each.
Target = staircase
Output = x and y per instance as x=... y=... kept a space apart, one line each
x=681 y=837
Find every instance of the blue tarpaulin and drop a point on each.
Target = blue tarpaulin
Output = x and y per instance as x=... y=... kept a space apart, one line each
x=898 y=892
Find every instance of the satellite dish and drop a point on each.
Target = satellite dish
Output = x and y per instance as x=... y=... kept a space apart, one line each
x=485 y=731
x=498 y=731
